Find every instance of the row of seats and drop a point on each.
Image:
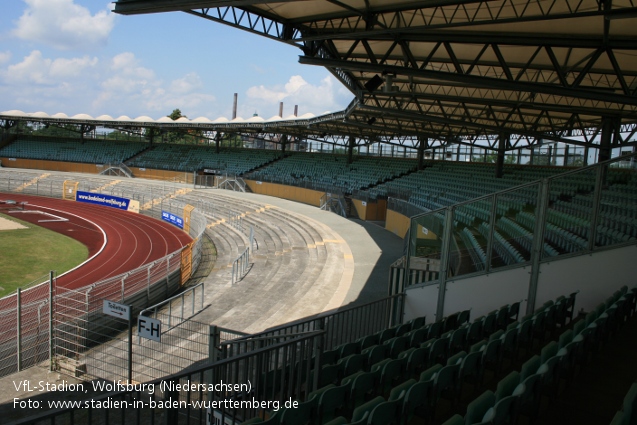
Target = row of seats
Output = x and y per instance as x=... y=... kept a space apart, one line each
x=390 y=377
x=74 y=150
x=194 y=157
x=520 y=392
x=323 y=170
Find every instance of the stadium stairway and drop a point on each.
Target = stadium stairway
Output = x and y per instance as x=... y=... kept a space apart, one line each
x=300 y=267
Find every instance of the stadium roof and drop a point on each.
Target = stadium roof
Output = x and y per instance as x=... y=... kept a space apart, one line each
x=455 y=68
x=449 y=71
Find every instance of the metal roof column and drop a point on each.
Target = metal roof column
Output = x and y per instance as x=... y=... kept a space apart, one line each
x=423 y=143
x=504 y=140
x=350 y=149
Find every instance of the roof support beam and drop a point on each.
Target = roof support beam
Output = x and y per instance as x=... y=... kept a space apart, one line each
x=476 y=81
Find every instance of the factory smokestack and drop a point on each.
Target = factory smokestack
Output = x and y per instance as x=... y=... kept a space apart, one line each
x=234 y=107
x=296 y=110
x=281 y=109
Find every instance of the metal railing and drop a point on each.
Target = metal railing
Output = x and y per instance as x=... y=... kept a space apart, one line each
x=166 y=306
x=241 y=266
x=572 y=213
x=340 y=326
x=232 y=390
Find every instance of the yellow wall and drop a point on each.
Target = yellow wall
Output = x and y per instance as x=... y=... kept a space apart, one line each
x=41 y=164
x=148 y=173
x=397 y=223
x=372 y=211
x=361 y=209
x=298 y=194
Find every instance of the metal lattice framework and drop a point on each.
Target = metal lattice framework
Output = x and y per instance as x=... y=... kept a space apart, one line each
x=453 y=71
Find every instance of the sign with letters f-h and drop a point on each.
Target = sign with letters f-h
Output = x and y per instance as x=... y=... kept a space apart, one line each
x=149 y=328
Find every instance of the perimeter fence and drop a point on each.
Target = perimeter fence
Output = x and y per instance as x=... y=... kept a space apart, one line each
x=75 y=316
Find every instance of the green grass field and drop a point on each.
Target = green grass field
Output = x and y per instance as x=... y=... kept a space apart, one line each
x=29 y=254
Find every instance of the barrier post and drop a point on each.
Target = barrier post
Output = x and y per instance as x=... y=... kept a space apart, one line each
x=51 y=366
x=130 y=344
x=19 y=327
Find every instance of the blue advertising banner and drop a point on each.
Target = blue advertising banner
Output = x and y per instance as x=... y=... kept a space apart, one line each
x=101 y=199
x=172 y=219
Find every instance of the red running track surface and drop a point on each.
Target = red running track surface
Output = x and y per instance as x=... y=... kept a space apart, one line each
x=132 y=239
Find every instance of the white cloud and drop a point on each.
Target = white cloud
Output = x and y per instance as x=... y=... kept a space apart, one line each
x=328 y=95
x=120 y=85
x=130 y=83
x=63 y=24
x=39 y=70
x=5 y=57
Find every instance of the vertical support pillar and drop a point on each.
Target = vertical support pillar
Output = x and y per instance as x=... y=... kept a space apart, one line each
x=494 y=211
x=217 y=141
x=214 y=341
x=566 y=155
x=283 y=141
x=350 y=149
x=423 y=143
x=597 y=196
x=605 y=142
x=130 y=344
x=503 y=142
x=19 y=328
x=444 y=263
x=537 y=245
x=51 y=340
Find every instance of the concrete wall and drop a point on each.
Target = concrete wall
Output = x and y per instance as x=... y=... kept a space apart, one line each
x=595 y=276
x=293 y=193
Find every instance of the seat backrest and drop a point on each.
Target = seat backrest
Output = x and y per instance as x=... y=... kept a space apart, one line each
x=385 y=414
x=503 y=412
x=530 y=367
x=430 y=373
x=478 y=407
x=507 y=385
x=548 y=351
x=565 y=338
x=399 y=391
x=456 y=358
x=365 y=409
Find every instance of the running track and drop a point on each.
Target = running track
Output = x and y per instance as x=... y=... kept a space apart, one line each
x=132 y=239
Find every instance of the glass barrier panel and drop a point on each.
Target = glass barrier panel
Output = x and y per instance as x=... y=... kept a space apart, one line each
x=468 y=248
x=569 y=213
x=425 y=247
x=513 y=237
x=617 y=217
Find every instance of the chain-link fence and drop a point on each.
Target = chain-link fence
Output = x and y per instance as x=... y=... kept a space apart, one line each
x=77 y=319
x=24 y=333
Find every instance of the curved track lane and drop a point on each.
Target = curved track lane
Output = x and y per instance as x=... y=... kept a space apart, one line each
x=132 y=239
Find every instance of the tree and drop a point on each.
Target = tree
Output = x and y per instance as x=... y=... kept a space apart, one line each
x=176 y=114
x=183 y=137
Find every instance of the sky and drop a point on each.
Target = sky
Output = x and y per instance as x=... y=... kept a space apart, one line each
x=76 y=56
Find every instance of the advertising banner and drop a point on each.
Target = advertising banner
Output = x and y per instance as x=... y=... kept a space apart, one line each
x=101 y=199
x=172 y=219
